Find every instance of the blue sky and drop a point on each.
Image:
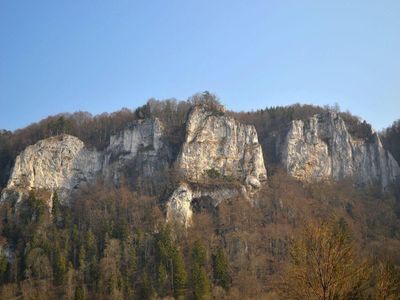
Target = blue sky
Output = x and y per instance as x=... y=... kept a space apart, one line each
x=100 y=56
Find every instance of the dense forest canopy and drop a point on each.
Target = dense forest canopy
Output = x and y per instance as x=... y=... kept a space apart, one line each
x=113 y=243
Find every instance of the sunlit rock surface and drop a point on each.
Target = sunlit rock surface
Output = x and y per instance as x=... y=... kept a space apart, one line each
x=322 y=148
x=216 y=147
x=57 y=163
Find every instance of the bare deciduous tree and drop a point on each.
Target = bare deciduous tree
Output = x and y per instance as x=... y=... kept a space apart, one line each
x=323 y=265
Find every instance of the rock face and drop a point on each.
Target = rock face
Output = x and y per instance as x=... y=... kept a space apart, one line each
x=219 y=146
x=142 y=135
x=140 y=146
x=322 y=148
x=61 y=163
x=180 y=204
x=216 y=147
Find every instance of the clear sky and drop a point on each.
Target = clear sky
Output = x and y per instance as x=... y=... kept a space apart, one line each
x=64 y=56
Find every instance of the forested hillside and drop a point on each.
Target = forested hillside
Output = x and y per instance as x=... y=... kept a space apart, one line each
x=95 y=131
x=290 y=240
x=391 y=139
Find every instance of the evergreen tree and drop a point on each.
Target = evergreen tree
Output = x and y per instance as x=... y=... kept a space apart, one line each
x=146 y=289
x=56 y=210
x=3 y=267
x=199 y=253
x=179 y=274
x=221 y=269
x=79 y=293
x=201 y=284
x=91 y=257
x=162 y=280
x=164 y=258
x=33 y=209
x=59 y=267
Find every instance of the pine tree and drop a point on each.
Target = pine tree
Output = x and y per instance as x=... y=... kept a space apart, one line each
x=33 y=209
x=60 y=267
x=221 y=269
x=146 y=289
x=201 y=284
x=162 y=280
x=56 y=210
x=199 y=253
x=179 y=274
x=79 y=293
x=91 y=257
x=164 y=258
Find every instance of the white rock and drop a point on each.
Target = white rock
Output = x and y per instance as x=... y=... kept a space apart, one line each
x=220 y=143
x=57 y=163
x=142 y=140
x=179 y=205
x=252 y=181
x=322 y=148
x=63 y=163
x=215 y=145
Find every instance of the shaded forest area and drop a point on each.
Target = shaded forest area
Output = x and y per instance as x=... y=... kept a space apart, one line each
x=112 y=243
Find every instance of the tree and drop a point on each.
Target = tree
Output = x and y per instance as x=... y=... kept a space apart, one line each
x=179 y=274
x=33 y=209
x=110 y=274
x=323 y=265
x=56 y=209
x=208 y=100
x=3 y=266
x=221 y=269
x=201 y=284
x=79 y=293
x=60 y=267
x=37 y=264
x=91 y=256
x=387 y=282
x=146 y=289
x=162 y=280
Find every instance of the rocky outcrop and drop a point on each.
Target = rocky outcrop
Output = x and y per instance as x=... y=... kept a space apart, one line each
x=216 y=148
x=140 y=147
x=63 y=163
x=218 y=145
x=322 y=148
x=58 y=163
x=180 y=204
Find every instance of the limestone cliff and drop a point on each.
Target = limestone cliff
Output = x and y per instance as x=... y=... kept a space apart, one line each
x=63 y=163
x=216 y=143
x=216 y=148
x=180 y=204
x=140 y=147
x=322 y=148
x=57 y=163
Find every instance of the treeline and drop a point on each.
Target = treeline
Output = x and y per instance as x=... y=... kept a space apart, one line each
x=391 y=139
x=271 y=124
x=112 y=243
x=95 y=131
